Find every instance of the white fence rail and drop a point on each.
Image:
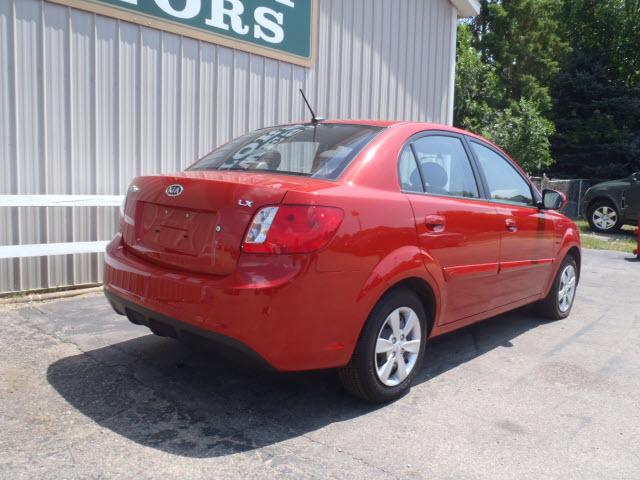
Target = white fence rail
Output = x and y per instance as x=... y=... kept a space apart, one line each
x=52 y=249
x=49 y=249
x=60 y=200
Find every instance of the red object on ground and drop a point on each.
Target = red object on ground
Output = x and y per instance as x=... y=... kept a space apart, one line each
x=637 y=250
x=289 y=267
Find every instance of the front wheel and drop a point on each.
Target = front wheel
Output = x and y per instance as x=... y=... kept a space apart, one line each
x=557 y=304
x=390 y=349
x=603 y=217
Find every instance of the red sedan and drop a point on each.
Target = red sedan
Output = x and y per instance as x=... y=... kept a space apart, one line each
x=341 y=245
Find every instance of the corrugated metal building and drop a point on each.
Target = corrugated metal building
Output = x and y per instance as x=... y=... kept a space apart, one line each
x=89 y=100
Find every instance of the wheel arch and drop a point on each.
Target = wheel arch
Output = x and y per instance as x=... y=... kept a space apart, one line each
x=601 y=197
x=570 y=245
x=575 y=252
x=424 y=292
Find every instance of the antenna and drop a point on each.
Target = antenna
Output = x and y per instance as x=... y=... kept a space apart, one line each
x=314 y=119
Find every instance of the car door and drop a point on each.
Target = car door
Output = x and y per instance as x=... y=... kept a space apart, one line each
x=527 y=243
x=455 y=225
x=632 y=199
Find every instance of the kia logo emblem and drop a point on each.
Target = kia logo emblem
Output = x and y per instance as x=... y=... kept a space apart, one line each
x=174 y=190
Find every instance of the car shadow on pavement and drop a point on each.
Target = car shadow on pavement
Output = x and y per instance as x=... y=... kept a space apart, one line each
x=191 y=402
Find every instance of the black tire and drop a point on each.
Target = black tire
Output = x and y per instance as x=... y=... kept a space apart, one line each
x=550 y=306
x=359 y=376
x=593 y=208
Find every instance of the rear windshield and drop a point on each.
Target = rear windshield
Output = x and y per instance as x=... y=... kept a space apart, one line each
x=319 y=151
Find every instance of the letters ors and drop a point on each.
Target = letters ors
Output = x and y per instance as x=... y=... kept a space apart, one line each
x=267 y=23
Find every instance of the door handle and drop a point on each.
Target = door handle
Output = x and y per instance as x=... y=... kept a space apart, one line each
x=511 y=225
x=434 y=223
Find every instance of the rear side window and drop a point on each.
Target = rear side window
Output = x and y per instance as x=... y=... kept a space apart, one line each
x=444 y=168
x=410 y=179
x=320 y=151
x=504 y=181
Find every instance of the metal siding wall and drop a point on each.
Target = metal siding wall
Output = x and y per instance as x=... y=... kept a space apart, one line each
x=8 y=229
x=88 y=102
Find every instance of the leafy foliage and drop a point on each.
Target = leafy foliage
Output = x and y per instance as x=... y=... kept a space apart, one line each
x=524 y=133
x=522 y=39
x=597 y=93
x=478 y=92
x=483 y=105
x=554 y=80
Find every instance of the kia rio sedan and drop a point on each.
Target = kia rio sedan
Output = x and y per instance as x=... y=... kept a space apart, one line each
x=341 y=245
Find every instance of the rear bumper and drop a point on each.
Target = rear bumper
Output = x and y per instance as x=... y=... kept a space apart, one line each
x=282 y=312
x=170 y=327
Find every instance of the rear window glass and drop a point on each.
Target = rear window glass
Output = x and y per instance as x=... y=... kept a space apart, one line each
x=319 y=151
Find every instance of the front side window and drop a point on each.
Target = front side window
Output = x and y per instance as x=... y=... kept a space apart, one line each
x=505 y=183
x=319 y=151
x=444 y=168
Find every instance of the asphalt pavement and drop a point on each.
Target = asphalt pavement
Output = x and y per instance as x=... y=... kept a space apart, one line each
x=85 y=394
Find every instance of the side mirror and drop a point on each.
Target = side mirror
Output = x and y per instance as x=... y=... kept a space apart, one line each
x=553 y=200
x=636 y=177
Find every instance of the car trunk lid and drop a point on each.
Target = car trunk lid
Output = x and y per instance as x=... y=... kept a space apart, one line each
x=196 y=221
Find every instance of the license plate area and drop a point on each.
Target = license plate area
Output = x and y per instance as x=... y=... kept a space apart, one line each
x=175 y=230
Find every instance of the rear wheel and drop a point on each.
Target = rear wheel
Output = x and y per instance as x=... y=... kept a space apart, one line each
x=390 y=349
x=603 y=217
x=557 y=305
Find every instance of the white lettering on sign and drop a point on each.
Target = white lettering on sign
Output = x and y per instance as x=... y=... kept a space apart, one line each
x=273 y=24
x=219 y=11
x=227 y=14
x=190 y=10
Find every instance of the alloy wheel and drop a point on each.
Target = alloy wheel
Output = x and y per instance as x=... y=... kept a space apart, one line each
x=567 y=288
x=397 y=346
x=604 y=217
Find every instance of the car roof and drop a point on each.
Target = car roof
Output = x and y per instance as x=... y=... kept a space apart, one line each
x=416 y=126
x=422 y=126
x=372 y=123
x=391 y=123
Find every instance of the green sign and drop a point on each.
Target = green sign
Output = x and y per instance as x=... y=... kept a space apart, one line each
x=283 y=27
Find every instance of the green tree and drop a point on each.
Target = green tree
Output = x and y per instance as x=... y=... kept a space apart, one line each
x=523 y=132
x=523 y=40
x=525 y=66
x=597 y=92
x=494 y=101
x=477 y=89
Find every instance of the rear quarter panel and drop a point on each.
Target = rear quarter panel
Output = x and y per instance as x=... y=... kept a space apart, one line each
x=375 y=247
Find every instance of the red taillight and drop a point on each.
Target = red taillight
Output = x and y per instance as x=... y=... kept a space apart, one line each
x=291 y=229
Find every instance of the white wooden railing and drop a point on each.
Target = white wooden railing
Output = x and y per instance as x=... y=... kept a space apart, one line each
x=47 y=249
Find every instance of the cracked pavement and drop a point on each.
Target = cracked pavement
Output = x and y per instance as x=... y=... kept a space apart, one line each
x=85 y=394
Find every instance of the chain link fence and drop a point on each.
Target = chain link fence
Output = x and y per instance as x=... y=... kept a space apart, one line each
x=574 y=189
